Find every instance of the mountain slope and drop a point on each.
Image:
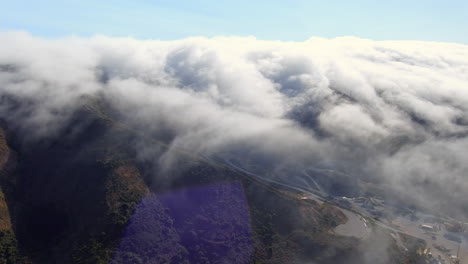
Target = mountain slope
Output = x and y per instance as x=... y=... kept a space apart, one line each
x=84 y=197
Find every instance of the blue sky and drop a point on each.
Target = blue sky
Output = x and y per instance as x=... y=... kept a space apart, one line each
x=432 y=20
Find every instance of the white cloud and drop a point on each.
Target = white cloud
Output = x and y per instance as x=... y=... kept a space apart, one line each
x=395 y=110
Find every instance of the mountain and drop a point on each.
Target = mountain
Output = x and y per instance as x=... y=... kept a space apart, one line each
x=82 y=196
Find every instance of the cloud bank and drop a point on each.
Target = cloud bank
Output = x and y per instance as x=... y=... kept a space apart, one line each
x=390 y=112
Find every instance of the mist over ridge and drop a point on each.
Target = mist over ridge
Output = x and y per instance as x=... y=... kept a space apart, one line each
x=392 y=112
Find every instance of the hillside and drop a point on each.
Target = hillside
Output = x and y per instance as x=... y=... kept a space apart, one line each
x=83 y=196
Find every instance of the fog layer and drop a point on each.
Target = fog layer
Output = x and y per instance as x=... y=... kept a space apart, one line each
x=390 y=112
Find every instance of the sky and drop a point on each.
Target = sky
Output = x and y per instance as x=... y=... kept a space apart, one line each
x=295 y=20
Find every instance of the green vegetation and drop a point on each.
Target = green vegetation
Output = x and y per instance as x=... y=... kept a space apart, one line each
x=8 y=248
x=9 y=252
x=94 y=251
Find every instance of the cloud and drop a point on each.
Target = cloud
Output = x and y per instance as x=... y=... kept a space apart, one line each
x=394 y=112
